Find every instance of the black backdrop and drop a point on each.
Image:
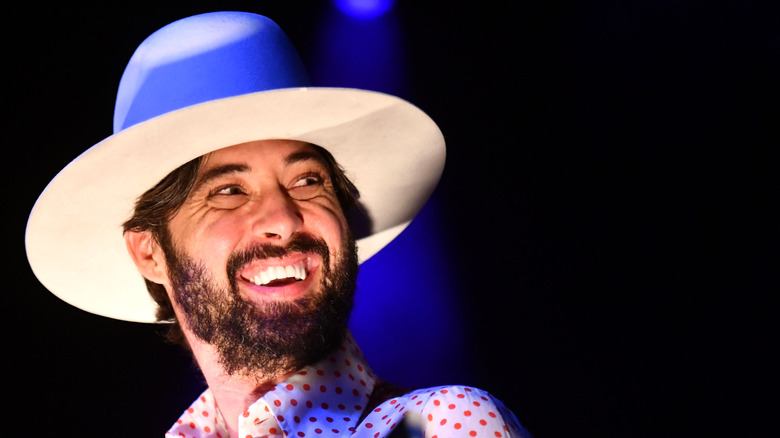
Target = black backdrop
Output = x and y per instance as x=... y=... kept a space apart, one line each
x=608 y=198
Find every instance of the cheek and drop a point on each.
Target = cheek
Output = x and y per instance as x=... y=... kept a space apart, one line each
x=331 y=225
x=210 y=242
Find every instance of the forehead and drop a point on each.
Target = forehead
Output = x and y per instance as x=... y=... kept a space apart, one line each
x=266 y=152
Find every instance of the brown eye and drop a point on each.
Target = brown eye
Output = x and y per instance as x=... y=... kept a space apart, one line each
x=228 y=197
x=306 y=187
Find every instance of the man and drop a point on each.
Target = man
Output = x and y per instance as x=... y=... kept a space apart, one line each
x=229 y=183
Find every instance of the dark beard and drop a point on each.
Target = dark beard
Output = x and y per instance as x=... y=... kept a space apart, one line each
x=272 y=338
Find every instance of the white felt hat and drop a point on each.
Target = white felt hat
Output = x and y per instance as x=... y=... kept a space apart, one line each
x=201 y=84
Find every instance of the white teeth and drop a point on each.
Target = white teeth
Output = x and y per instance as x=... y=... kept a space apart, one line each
x=278 y=272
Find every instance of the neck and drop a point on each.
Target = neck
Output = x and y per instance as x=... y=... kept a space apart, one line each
x=233 y=393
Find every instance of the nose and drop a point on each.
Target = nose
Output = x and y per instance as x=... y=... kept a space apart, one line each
x=275 y=216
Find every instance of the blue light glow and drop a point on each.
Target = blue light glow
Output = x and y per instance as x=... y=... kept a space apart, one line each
x=364 y=9
x=408 y=316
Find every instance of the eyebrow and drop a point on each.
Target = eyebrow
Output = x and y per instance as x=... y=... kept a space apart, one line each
x=297 y=157
x=217 y=172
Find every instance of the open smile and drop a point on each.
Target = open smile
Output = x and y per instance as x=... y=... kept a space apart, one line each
x=280 y=278
x=279 y=275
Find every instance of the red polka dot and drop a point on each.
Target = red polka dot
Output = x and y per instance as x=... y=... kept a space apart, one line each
x=313 y=419
x=318 y=430
x=476 y=403
x=498 y=434
x=483 y=422
x=205 y=413
x=467 y=413
x=272 y=430
x=443 y=422
x=430 y=417
x=436 y=402
x=473 y=433
x=444 y=391
x=190 y=410
x=294 y=402
x=323 y=388
x=245 y=414
x=289 y=387
x=192 y=425
x=277 y=402
x=207 y=429
x=306 y=387
x=451 y=406
x=301 y=434
x=461 y=395
x=457 y=426
x=369 y=425
x=492 y=414
x=297 y=419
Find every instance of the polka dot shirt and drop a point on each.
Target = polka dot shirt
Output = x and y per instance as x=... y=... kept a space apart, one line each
x=328 y=400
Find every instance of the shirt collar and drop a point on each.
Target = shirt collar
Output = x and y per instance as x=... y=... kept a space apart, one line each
x=324 y=399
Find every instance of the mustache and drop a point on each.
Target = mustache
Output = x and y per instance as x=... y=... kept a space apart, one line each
x=299 y=242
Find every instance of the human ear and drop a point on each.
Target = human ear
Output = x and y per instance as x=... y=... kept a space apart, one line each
x=147 y=256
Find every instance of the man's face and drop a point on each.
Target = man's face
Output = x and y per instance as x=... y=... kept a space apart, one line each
x=261 y=261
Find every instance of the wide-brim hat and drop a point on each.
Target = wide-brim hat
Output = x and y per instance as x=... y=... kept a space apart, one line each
x=197 y=85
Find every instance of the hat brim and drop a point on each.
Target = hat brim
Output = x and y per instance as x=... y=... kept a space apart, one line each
x=390 y=149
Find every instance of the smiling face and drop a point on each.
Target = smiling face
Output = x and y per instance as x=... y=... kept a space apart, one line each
x=263 y=192
x=260 y=260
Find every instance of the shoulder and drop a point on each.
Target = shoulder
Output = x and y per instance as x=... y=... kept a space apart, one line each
x=453 y=411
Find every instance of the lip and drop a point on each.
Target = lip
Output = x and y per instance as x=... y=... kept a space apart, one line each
x=286 y=291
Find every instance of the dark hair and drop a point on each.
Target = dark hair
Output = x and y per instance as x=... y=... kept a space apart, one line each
x=157 y=206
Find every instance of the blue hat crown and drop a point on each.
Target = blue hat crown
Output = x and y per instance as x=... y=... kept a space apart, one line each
x=202 y=58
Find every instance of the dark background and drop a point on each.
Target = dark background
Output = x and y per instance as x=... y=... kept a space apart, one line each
x=608 y=205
